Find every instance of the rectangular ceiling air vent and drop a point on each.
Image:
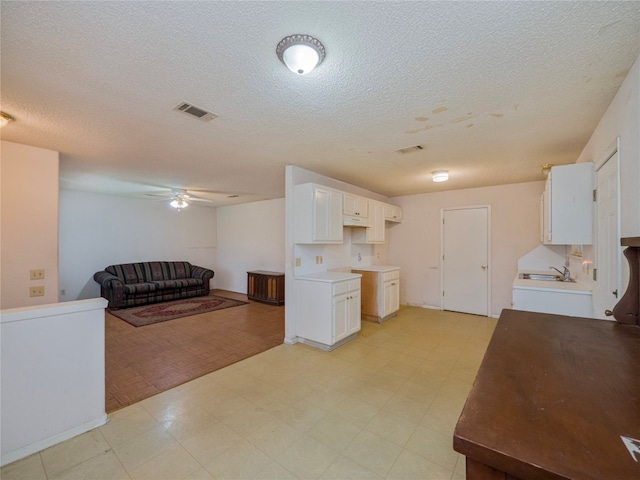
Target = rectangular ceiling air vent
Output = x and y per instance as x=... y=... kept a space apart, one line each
x=194 y=111
x=410 y=149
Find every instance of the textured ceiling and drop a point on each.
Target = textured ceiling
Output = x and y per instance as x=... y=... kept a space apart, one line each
x=491 y=90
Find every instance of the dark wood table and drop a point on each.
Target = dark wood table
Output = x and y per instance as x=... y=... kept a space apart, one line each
x=556 y=397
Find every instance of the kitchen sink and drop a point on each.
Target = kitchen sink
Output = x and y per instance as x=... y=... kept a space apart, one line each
x=544 y=276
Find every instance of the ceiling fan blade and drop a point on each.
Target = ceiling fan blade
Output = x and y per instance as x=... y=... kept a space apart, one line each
x=197 y=199
x=160 y=194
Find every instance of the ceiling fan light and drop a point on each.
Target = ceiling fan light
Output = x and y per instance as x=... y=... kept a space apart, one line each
x=440 y=175
x=300 y=53
x=179 y=203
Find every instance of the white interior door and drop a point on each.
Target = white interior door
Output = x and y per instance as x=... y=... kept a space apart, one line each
x=465 y=260
x=606 y=291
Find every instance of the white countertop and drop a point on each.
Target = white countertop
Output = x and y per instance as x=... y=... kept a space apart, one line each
x=329 y=276
x=375 y=268
x=552 y=285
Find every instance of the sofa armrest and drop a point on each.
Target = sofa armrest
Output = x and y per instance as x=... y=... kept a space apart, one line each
x=202 y=273
x=107 y=280
x=111 y=288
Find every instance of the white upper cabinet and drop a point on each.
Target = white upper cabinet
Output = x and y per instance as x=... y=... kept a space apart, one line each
x=567 y=205
x=355 y=210
x=317 y=214
x=320 y=213
x=355 y=205
x=375 y=232
x=392 y=213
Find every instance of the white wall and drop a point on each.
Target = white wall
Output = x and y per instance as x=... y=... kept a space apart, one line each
x=415 y=244
x=28 y=223
x=98 y=230
x=52 y=360
x=250 y=237
x=622 y=119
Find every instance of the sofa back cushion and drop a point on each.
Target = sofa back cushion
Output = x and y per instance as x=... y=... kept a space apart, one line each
x=150 y=271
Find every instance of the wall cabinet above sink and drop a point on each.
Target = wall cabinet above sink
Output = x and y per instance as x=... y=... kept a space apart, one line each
x=566 y=206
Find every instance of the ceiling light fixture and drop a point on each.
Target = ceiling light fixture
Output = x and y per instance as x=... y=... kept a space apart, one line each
x=300 y=53
x=179 y=201
x=440 y=175
x=5 y=118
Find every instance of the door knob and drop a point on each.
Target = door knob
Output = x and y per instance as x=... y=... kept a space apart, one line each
x=484 y=267
x=608 y=313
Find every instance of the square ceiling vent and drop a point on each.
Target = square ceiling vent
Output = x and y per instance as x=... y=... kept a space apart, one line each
x=197 y=112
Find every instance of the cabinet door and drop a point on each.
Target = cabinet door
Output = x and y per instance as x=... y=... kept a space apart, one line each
x=375 y=233
x=355 y=205
x=327 y=213
x=392 y=213
x=341 y=311
x=568 y=205
x=354 y=311
x=391 y=297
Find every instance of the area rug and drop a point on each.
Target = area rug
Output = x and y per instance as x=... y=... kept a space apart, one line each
x=161 y=312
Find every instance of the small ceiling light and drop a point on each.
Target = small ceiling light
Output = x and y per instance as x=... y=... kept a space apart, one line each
x=5 y=118
x=300 y=53
x=546 y=168
x=440 y=175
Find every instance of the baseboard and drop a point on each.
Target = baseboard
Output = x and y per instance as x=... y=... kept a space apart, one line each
x=291 y=341
x=51 y=441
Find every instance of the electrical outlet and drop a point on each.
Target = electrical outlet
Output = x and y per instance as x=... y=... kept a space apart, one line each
x=298 y=261
x=36 y=274
x=36 y=291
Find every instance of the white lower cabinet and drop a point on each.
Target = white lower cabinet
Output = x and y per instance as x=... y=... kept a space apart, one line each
x=327 y=308
x=572 y=303
x=380 y=292
x=391 y=297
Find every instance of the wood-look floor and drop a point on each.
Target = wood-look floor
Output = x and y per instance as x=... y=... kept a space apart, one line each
x=144 y=361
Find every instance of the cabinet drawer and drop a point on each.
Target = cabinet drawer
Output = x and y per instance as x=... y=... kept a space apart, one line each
x=347 y=286
x=386 y=276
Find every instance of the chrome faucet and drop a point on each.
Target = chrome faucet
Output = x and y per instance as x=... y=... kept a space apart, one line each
x=566 y=274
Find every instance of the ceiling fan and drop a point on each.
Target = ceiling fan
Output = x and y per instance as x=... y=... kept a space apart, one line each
x=179 y=197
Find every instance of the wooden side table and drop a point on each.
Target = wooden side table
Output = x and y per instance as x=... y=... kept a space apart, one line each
x=265 y=287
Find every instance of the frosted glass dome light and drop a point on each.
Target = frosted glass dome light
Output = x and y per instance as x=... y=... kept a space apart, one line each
x=300 y=53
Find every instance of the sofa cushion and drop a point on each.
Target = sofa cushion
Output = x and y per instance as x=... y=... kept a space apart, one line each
x=135 y=288
x=179 y=283
x=143 y=272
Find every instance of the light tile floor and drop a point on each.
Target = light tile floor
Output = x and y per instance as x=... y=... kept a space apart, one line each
x=382 y=406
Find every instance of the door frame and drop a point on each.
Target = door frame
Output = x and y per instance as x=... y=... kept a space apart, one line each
x=489 y=248
x=613 y=150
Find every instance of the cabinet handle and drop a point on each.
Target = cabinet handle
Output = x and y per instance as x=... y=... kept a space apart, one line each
x=608 y=313
x=615 y=292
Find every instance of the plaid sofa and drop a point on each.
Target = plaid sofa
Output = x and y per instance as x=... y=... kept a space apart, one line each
x=130 y=284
